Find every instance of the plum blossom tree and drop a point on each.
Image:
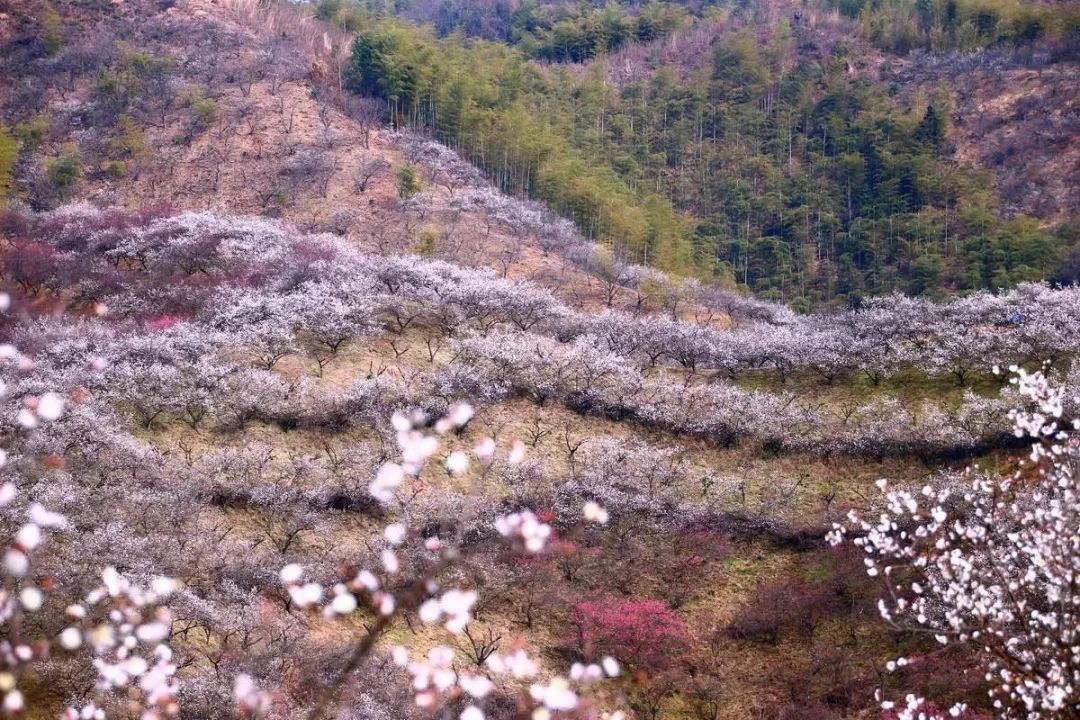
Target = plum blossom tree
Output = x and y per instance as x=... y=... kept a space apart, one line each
x=992 y=562
x=643 y=634
x=434 y=680
x=123 y=626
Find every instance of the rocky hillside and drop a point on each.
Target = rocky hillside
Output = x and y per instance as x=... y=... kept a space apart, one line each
x=1015 y=114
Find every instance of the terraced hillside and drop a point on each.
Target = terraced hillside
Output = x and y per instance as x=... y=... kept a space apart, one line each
x=304 y=417
x=227 y=414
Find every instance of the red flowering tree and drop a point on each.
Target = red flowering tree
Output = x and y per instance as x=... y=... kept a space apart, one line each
x=644 y=634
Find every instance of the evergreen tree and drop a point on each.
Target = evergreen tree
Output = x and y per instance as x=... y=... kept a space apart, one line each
x=931 y=129
x=408 y=182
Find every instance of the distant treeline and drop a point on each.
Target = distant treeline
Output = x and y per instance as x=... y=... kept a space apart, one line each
x=903 y=25
x=559 y=33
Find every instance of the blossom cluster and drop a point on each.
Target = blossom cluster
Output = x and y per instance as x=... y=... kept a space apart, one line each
x=434 y=679
x=992 y=562
x=355 y=533
x=125 y=628
x=503 y=337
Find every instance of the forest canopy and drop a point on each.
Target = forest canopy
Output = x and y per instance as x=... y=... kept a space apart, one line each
x=771 y=166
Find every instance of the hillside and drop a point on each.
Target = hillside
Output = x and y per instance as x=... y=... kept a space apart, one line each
x=249 y=402
x=541 y=364
x=772 y=146
x=1016 y=113
x=822 y=202
x=264 y=144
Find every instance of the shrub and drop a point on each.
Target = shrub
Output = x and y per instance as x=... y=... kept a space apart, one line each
x=65 y=169
x=9 y=153
x=781 y=605
x=408 y=182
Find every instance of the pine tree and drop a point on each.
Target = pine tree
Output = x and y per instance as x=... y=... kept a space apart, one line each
x=931 y=130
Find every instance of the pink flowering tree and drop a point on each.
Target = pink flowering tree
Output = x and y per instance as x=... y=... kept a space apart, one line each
x=644 y=634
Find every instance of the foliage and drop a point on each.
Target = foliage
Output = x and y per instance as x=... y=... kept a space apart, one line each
x=560 y=33
x=32 y=133
x=133 y=78
x=65 y=169
x=963 y=24
x=9 y=155
x=408 y=182
x=808 y=184
x=52 y=29
x=129 y=142
x=203 y=111
x=481 y=100
x=578 y=34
